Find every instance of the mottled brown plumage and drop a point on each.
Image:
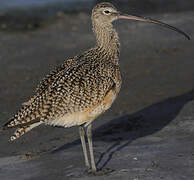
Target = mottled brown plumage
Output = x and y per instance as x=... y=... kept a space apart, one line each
x=83 y=87
x=78 y=85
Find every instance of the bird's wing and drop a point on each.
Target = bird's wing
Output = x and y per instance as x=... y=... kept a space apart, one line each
x=28 y=113
x=76 y=90
x=45 y=82
x=71 y=90
x=57 y=72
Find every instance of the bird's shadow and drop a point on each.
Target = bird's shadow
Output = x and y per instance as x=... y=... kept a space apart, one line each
x=132 y=126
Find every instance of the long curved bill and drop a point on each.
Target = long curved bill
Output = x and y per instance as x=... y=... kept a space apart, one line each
x=144 y=19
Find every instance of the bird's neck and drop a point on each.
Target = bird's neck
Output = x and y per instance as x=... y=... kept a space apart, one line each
x=107 y=39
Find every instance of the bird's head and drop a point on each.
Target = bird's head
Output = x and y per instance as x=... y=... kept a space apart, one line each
x=105 y=13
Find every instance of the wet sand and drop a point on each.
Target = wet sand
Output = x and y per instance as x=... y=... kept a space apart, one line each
x=147 y=134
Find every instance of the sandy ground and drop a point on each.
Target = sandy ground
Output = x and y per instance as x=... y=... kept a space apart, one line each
x=148 y=134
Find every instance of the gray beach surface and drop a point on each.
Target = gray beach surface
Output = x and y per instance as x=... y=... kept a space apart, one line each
x=148 y=134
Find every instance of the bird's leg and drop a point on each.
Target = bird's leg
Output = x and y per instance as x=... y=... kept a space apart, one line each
x=89 y=136
x=82 y=137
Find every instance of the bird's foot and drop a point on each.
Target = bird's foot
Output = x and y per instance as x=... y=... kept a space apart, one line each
x=100 y=172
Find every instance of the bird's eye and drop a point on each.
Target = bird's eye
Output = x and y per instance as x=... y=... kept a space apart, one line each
x=106 y=12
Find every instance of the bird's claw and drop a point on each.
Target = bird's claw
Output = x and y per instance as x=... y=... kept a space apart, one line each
x=99 y=172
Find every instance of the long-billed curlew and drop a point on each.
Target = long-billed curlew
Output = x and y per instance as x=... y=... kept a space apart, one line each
x=83 y=87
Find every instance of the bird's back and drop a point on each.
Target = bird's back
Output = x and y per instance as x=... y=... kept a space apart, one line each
x=78 y=85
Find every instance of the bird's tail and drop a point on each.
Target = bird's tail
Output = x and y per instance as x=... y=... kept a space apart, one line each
x=25 y=119
x=22 y=130
x=26 y=115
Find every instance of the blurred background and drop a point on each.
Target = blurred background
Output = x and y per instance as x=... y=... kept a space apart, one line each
x=14 y=14
x=149 y=129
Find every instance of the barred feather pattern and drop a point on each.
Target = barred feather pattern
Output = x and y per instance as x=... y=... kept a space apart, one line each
x=22 y=130
x=82 y=84
x=78 y=84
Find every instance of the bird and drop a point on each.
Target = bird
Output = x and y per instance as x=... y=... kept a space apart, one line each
x=83 y=87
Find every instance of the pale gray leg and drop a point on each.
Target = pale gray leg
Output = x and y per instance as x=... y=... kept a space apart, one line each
x=82 y=137
x=89 y=135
